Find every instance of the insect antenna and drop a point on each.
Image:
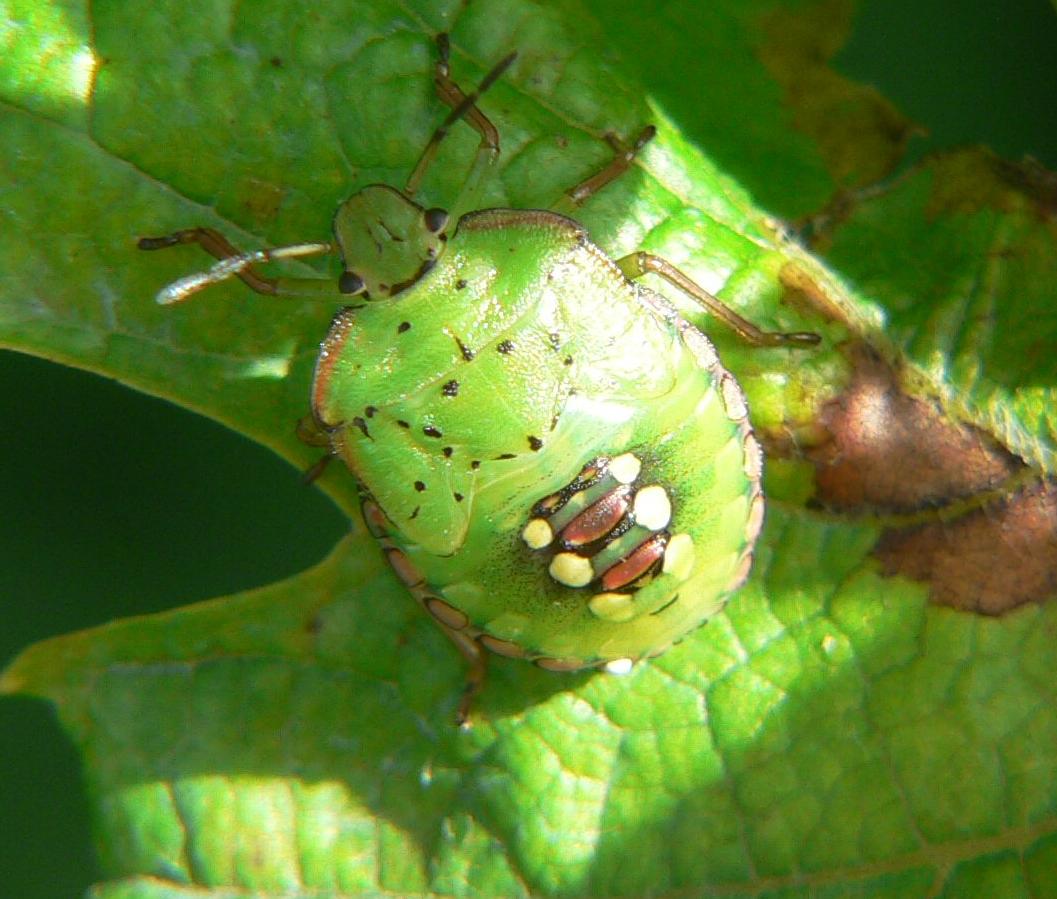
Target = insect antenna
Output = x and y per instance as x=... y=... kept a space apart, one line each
x=234 y=263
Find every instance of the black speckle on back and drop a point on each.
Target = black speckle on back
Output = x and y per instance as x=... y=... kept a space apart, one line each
x=403 y=423
x=451 y=388
x=370 y=410
x=504 y=456
x=505 y=346
x=568 y=360
x=420 y=486
x=431 y=431
x=362 y=425
x=475 y=464
x=403 y=326
x=535 y=444
x=460 y=284
x=458 y=497
x=447 y=452
x=414 y=514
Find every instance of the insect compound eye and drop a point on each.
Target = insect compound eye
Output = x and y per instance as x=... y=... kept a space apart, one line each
x=350 y=283
x=436 y=220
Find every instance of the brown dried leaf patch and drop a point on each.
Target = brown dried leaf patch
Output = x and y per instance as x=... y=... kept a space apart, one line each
x=888 y=452
x=990 y=560
x=964 y=514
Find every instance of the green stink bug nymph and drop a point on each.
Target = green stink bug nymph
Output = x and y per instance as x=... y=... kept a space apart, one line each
x=554 y=461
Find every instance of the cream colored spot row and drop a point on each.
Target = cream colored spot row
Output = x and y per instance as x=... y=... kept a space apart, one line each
x=571 y=570
x=652 y=508
x=741 y=574
x=625 y=468
x=537 y=534
x=679 y=556
x=612 y=606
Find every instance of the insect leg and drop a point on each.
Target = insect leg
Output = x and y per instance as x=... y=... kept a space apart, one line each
x=476 y=670
x=576 y=196
x=463 y=106
x=235 y=263
x=635 y=265
x=311 y=433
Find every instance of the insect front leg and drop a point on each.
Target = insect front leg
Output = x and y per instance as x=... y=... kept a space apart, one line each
x=463 y=106
x=635 y=265
x=235 y=263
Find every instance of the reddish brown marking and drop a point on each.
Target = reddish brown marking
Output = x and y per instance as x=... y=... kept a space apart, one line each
x=375 y=519
x=591 y=471
x=446 y=613
x=560 y=664
x=598 y=519
x=329 y=354
x=404 y=568
x=645 y=556
x=587 y=476
x=501 y=647
x=549 y=504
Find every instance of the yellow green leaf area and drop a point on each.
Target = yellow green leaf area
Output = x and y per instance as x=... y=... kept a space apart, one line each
x=960 y=254
x=828 y=730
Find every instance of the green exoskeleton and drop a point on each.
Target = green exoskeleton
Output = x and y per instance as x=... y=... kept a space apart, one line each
x=555 y=463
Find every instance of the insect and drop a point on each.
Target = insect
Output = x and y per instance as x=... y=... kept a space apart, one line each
x=555 y=463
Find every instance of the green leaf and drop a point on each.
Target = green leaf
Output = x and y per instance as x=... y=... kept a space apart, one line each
x=831 y=732
x=973 y=310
